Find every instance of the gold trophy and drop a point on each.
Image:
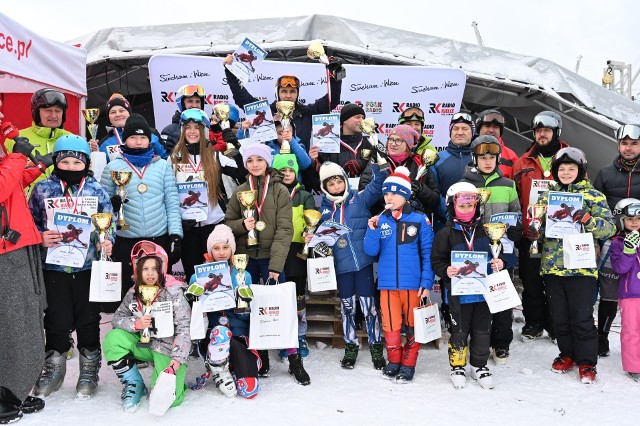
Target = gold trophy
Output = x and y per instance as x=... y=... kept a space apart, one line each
x=121 y=179
x=102 y=222
x=222 y=112
x=244 y=294
x=148 y=294
x=247 y=200
x=316 y=52
x=366 y=154
x=368 y=126
x=285 y=109
x=311 y=219
x=536 y=212
x=429 y=158
x=495 y=231
x=91 y=115
x=484 y=195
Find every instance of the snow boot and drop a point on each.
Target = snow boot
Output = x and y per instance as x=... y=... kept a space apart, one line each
x=264 y=358
x=603 y=345
x=303 y=346
x=458 y=377
x=90 y=363
x=10 y=410
x=350 y=356
x=52 y=375
x=377 y=356
x=483 y=376
x=297 y=369
x=405 y=374
x=500 y=356
x=531 y=332
x=562 y=364
x=390 y=371
x=133 y=388
x=223 y=379
x=587 y=373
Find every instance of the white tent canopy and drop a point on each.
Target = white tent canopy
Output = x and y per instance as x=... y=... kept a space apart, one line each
x=519 y=85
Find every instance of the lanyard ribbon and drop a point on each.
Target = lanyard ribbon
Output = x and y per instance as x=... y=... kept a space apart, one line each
x=140 y=174
x=341 y=213
x=347 y=147
x=71 y=202
x=265 y=188
x=467 y=240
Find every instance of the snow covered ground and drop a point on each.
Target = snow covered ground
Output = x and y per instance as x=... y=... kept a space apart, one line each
x=338 y=396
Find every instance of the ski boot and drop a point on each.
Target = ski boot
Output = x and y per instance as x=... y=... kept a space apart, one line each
x=458 y=377
x=133 y=388
x=52 y=375
x=221 y=376
x=635 y=377
x=587 y=373
x=458 y=361
x=531 y=332
x=303 y=347
x=483 y=376
x=10 y=410
x=500 y=356
x=350 y=356
x=296 y=368
x=405 y=374
x=264 y=358
x=90 y=363
x=390 y=371
x=377 y=356
x=562 y=364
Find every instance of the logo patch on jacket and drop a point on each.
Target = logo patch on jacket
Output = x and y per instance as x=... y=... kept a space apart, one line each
x=412 y=231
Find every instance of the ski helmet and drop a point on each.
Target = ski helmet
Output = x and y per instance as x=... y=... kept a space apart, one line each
x=188 y=91
x=147 y=248
x=456 y=190
x=548 y=120
x=45 y=98
x=569 y=155
x=490 y=116
x=412 y=114
x=196 y=115
x=73 y=143
x=627 y=207
x=290 y=81
x=485 y=145
x=631 y=131
x=462 y=117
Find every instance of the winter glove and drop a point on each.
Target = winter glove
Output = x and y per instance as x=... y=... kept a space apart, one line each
x=353 y=169
x=631 y=242
x=322 y=250
x=232 y=153
x=46 y=160
x=229 y=137
x=176 y=248
x=194 y=291
x=416 y=187
x=581 y=216
x=22 y=146
x=116 y=202
x=336 y=69
x=514 y=233
x=532 y=233
x=188 y=225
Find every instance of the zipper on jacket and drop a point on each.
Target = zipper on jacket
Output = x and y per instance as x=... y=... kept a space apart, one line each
x=397 y=265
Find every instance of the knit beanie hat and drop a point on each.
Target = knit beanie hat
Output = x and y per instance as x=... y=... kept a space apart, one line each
x=118 y=100
x=349 y=110
x=406 y=133
x=285 y=161
x=221 y=234
x=259 y=149
x=136 y=125
x=329 y=170
x=398 y=182
x=462 y=120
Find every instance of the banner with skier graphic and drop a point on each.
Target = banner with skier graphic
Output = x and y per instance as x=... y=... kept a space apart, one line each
x=561 y=207
x=262 y=127
x=194 y=201
x=74 y=246
x=246 y=59
x=218 y=294
x=326 y=132
x=472 y=272
x=329 y=233
x=509 y=219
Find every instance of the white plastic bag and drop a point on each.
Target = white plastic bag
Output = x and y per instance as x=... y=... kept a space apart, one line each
x=274 y=319
x=106 y=281
x=426 y=323
x=163 y=394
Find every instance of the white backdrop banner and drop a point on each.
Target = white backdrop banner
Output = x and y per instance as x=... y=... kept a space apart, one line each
x=384 y=91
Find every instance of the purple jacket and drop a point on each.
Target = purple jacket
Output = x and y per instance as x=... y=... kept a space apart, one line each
x=628 y=266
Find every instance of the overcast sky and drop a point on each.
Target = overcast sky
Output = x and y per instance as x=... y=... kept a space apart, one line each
x=553 y=29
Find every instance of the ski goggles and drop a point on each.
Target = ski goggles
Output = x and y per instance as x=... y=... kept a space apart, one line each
x=416 y=115
x=574 y=154
x=51 y=98
x=146 y=249
x=545 y=121
x=288 y=81
x=466 y=198
x=462 y=116
x=631 y=131
x=191 y=90
x=493 y=118
x=195 y=115
x=487 y=148
x=630 y=210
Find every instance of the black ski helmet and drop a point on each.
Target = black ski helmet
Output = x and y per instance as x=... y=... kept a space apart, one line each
x=45 y=98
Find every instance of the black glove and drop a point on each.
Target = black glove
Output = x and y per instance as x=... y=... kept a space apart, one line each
x=532 y=233
x=581 y=216
x=232 y=153
x=336 y=69
x=188 y=225
x=116 y=202
x=47 y=160
x=353 y=169
x=22 y=146
x=514 y=233
x=229 y=137
x=176 y=248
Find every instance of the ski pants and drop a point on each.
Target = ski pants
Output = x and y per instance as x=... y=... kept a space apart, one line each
x=534 y=302
x=474 y=320
x=630 y=334
x=360 y=283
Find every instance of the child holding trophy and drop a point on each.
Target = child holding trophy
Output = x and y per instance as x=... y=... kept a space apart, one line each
x=402 y=237
x=469 y=312
x=132 y=324
x=267 y=237
x=232 y=366
x=304 y=210
x=72 y=191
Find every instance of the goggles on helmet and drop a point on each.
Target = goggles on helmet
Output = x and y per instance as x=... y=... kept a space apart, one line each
x=574 y=154
x=493 y=118
x=466 y=198
x=629 y=210
x=487 y=148
x=288 y=81
x=462 y=116
x=144 y=249
x=191 y=90
x=195 y=115
x=631 y=131
x=50 y=98
x=545 y=121
x=416 y=115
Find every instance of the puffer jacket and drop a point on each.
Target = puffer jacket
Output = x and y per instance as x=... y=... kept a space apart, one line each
x=451 y=238
x=276 y=213
x=51 y=188
x=618 y=181
x=448 y=170
x=404 y=249
x=354 y=212
x=601 y=225
x=111 y=140
x=301 y=201
x=628 y=267
x=155 y=212
x=179 y=345
x=507 y=160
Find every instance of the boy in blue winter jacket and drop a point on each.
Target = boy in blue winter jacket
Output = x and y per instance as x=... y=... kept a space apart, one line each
x=354 y=268
x=401 y=236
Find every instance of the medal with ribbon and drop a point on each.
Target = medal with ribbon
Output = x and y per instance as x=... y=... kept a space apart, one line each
x=260 y=225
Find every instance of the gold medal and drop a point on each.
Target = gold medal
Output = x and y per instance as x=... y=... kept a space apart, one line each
x=142 y=188
x=261 y=226
x=547 y=173
x=342 y=242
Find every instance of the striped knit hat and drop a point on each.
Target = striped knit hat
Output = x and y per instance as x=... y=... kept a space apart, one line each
x=398 y=182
